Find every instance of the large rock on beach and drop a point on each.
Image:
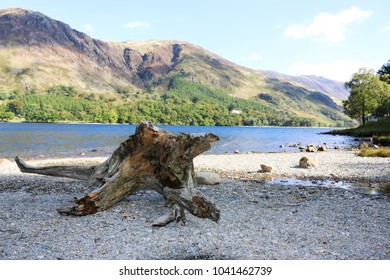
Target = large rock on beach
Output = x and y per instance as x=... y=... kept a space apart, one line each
x=305 y=162
x=322 y=148
x=266 y=167
x=208 y=178
x=311 y=148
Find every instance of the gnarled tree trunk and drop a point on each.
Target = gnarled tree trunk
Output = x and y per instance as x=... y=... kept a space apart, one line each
x=152 y=158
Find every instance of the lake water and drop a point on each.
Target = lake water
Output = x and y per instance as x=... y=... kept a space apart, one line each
x=68 y=140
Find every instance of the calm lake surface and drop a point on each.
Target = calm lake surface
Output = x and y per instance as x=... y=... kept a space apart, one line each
x=69 y=140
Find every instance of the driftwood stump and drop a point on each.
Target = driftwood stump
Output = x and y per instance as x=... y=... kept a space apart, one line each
x=152 y=158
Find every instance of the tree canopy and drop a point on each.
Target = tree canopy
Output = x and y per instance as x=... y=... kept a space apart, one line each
x=369 y=96
x=184 y=102
x=384 y=72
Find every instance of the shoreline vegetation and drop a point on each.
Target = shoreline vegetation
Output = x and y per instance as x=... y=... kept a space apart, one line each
x=379 y=131
x=369 y=129
x=167 y=124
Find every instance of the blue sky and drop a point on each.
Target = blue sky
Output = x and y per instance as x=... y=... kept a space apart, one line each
x=330 y=38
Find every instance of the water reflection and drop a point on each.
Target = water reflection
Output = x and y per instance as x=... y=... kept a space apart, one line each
x=324 y=183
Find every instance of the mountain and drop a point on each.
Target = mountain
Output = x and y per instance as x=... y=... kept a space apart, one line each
x=38 y=52
x=335 y=89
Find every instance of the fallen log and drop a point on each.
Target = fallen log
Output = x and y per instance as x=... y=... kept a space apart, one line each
x=152 y=158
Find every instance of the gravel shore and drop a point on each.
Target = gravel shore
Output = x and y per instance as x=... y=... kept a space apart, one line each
x=259 y=220
x=339 y=165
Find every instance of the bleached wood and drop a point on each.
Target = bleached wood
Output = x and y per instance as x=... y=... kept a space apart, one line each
x=152 y=158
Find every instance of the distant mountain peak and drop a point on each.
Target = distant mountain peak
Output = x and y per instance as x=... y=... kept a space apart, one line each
x=334 y=89
x=26 y=27
x=14 y=11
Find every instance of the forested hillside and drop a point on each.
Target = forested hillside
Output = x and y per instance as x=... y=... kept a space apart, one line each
x=184 y=103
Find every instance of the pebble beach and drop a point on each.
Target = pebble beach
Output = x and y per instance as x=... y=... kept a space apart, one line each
x=260 y=219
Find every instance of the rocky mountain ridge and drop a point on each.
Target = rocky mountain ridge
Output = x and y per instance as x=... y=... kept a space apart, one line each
x=33 y=34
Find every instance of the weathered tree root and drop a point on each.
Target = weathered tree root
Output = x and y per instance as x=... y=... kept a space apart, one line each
x=152 y=158
x=177 y=215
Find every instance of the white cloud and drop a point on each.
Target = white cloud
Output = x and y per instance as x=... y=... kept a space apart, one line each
x=88 y=27
x=339 y=70
x=137 y=24
x=328 y=27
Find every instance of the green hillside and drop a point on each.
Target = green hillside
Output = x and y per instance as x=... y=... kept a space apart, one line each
x=51 y=72
x=183 y=103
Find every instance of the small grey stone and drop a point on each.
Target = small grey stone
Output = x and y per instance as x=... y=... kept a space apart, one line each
x=208 y=178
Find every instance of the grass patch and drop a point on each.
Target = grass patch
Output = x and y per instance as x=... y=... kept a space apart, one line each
x=381 y=140
x=370 y=129
x=381 y=152
x=385 y=188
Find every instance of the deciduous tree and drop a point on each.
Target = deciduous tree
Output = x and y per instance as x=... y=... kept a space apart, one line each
x=384 y=72
x=365 y=88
